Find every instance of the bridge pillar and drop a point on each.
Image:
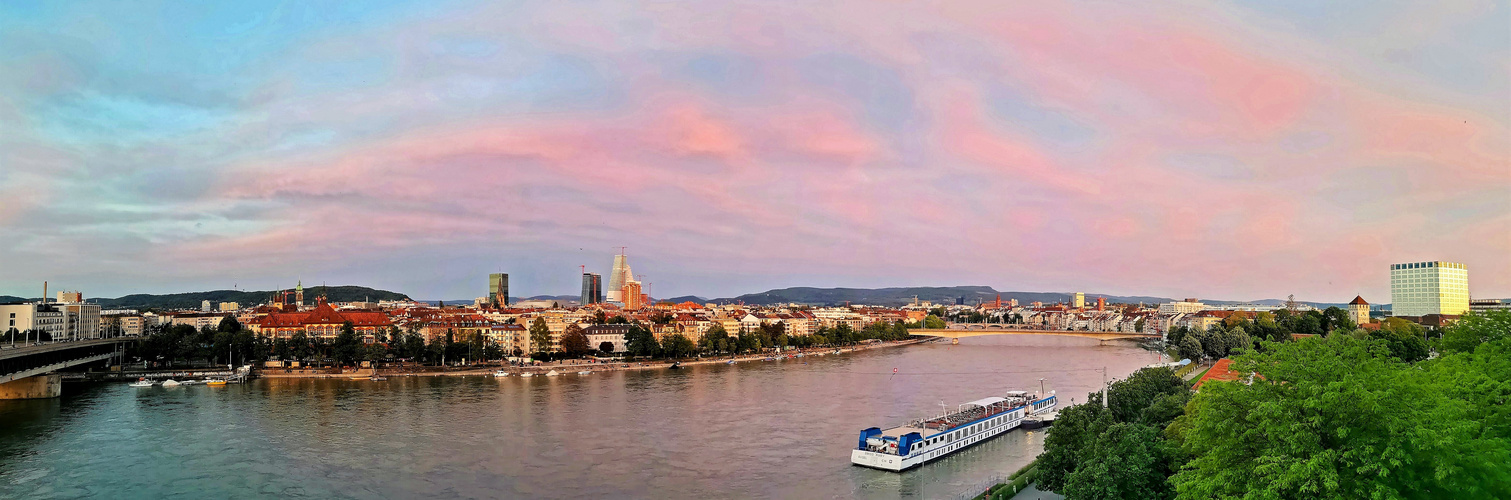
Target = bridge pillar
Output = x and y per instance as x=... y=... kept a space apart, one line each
x=35 y=387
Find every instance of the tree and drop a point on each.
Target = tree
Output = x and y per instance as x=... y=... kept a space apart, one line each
x=1075 y=429
x=1476 y=328
x=600 y=318
x=1405 y=341
x=715 y=339
x=1138 y=325
x=347 y=347
x=606 y=347
x=933 y=322
x=678 y=346
x=1339 y=417
x=540 y=336
x=299 y=343
x=641 y=342
x=1127 y=398
x=229 y=324
x=574 y=342
x=1190 y=348
x=1127 y=461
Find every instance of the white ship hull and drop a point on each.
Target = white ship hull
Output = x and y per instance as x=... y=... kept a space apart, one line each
x=940 y=444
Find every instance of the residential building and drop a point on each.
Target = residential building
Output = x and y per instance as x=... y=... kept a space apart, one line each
x=498 y=289
x=1434 y=287
x=324 y=322
x=42 y=317
x=614 y=334
x=631 y=295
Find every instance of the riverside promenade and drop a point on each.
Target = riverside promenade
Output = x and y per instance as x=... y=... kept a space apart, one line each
x=574 y=366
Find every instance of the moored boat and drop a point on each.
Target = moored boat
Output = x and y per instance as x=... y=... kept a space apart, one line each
x=527 y=374
x=215 y=382
x=920 y=441
x=585 y=372
x=142 y=383
x=552 y=373
x=171 y=383
x=501 y=373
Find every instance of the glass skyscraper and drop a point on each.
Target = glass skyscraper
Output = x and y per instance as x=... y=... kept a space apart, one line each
x=498 y=289
x=592 y=288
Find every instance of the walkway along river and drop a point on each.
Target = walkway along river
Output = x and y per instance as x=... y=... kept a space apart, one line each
x=778 y=429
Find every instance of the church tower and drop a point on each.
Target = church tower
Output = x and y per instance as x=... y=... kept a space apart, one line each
x=299 y=294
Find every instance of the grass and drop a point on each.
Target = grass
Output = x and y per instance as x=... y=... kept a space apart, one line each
x=1014 y=484
x=1200 y=375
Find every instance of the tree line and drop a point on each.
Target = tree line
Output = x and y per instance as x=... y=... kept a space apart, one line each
x=1336 y=416
x=1405 y=339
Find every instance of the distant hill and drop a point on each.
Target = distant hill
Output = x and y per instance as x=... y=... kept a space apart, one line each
x=6 y=299
x=685 y=298
x=192 y=300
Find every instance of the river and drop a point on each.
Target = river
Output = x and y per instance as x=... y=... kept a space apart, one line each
x=780 y=429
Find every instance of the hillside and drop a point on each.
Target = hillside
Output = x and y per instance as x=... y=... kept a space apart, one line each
x=193 y=300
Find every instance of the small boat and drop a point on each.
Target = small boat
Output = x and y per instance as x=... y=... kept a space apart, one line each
x=143 y=383
x=171 y=383
x=527 y=374
x=193 y=382
x=585 y=372
x=377 y=378
x=501 y=373
x=731 y=361
x=675 y=366
x=215 y=382
x=552 y=373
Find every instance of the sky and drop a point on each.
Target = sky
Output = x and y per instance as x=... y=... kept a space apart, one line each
x=1224 y=150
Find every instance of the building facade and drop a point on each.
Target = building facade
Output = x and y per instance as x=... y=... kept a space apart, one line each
x=1434 y=287
x=631 y=295
x=47 y=318
x=1078 y=300
x=592 y=289
x=1358 y=310
x=619 y=275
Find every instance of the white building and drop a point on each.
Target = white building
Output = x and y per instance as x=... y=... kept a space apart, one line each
x=42 y=317
x=1187 y=306
x=1422 y=288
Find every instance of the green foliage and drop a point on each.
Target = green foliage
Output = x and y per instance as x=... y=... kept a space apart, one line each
x=1339 y=418
x=1190 y=348
x=1075 y=429
x=1127 y=461
x=641 y=342
x=347 y=347
x=229 y=324
x=678 y=346
x=933 y=322
x=1476 y=328
x=540 y=336
x=1128 y=398
x=606 y=347
x=1406 y=340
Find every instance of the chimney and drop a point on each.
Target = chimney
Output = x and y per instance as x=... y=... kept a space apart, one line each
x=44 y=291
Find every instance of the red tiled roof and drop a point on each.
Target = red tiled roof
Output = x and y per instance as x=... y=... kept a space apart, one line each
x=1358 y=301
x=1220 y=372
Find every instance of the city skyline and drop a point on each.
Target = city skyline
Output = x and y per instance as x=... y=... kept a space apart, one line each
x=1239 y=152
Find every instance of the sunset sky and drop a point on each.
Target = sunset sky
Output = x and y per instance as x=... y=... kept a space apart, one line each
x=1225 y=150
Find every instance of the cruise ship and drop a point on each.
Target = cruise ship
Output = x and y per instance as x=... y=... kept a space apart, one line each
x=921 y=441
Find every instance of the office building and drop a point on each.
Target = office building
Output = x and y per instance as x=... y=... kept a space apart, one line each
x=1078 y=300
x=1486 y=305
x=592 y=288
x=619 y=275
x=70 y=297
x=204 y=305
x=498 y=289
x=1434 y=287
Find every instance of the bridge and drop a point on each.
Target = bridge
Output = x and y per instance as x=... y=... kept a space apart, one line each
x=27 y=371
x=989 y=330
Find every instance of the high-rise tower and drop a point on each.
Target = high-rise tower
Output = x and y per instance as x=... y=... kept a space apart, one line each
x=1435 y=287
x=299 y=294
x=498 y=289
x=592 y=288
x=618 y=277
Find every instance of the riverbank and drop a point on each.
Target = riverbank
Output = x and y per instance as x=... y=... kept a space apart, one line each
x=580 y=365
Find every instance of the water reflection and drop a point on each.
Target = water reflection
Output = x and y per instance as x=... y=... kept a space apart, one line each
x=772 y=429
